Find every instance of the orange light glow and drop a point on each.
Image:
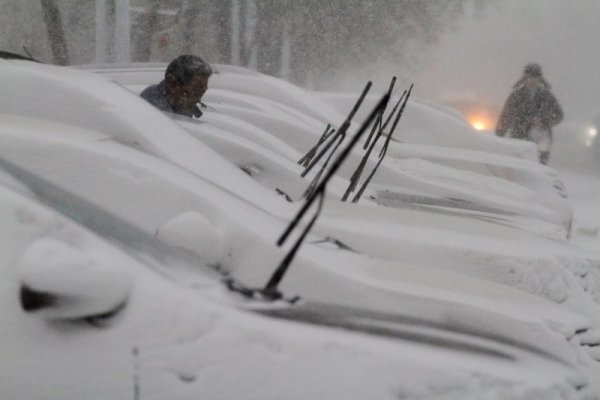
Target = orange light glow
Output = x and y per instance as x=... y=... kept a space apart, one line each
x=480 y=122
x=479 y=125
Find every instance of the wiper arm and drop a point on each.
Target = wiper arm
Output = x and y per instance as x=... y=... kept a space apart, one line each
x=7 y=55
x=305 y=160
x=270 y=292
x=378 y=121
x=319 y=193
x=358 y=172
x=317 y=177
x=341 y=132
x=384 y=148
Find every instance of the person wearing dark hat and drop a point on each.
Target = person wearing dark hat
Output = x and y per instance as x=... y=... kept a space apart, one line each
x=181 y=91
x=531 y=111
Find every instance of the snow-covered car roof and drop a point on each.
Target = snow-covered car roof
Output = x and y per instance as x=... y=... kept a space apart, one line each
x=249 y=97
x=423 y=121
x=107 y=104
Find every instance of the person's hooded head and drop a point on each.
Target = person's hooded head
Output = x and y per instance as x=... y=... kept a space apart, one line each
x=533 y=70
x=532 y=77
x=186 y=80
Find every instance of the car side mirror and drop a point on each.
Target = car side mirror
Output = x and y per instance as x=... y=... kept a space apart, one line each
x=60 y=282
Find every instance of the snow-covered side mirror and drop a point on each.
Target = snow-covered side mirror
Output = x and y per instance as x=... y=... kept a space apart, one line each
x=60 y=282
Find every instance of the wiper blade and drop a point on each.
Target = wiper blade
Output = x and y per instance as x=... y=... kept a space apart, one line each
x=341 y=132
x=317 y=177
x=378 y=121
x=363 y=162
x=384 y=148
x=270 y=291
x=7 y=55
x=306 y=159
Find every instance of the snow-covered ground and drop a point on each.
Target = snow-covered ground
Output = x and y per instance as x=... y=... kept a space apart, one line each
x=580 y=171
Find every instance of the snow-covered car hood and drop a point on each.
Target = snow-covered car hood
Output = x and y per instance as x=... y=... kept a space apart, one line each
x=170 y=340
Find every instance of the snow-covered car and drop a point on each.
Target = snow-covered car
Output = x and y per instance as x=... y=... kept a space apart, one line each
x=210 y=209
x=429 y=174
x=434 y=135
x=423 y=122
x=125 y=118
x=411 y=178
x=91 y=317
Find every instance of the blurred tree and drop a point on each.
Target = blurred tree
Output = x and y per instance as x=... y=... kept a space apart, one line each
x=330 y=35
x=315 y=38
x=271 y=17
x=56 y=33
x=221 y=17
x=143 y=30
x=325 y=36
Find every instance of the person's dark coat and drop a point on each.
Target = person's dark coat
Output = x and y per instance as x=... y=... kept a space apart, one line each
x=157 y=96
x=524 y=105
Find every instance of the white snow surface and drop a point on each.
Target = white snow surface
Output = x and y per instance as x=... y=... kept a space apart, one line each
x=182 y=338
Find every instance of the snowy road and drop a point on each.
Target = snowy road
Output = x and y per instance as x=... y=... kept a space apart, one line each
x=580 y=172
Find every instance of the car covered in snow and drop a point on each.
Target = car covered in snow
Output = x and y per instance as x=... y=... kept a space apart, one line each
x=441 y=163
x=133 y=175
x=92 y=307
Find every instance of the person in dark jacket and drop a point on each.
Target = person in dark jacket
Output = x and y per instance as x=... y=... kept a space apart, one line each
x=531 y=111
x=186 y=81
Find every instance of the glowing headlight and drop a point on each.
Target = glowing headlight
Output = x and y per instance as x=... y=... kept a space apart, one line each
x=479 y=121
x=478 y=125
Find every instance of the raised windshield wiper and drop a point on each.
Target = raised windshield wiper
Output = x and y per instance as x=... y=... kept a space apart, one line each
x=7 y=55
x=270 y=292
x=379 y=119
x=383 y=151
x=307 y=158
x=358 y=172
x=338 y=137
x=342 y=130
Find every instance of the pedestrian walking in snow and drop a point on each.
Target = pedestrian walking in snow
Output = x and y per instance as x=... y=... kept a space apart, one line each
x=186 y=81
x=531 y=111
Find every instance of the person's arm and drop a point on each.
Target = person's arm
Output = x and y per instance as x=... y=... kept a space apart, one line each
x=555 y=114
x=506 y=116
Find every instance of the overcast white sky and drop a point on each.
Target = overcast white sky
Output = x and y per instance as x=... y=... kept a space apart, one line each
x=485 y=56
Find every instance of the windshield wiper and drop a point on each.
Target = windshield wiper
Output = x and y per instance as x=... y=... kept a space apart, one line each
x=270 y=291
x=379 y=119
x=341 y=132
x=338 y=137
x=358 y=172
x=307 y=158
x=7 y=55
x=383 y=151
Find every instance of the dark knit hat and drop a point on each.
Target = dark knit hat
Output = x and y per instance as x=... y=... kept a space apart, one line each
x=185 y=67
x=532 y=69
